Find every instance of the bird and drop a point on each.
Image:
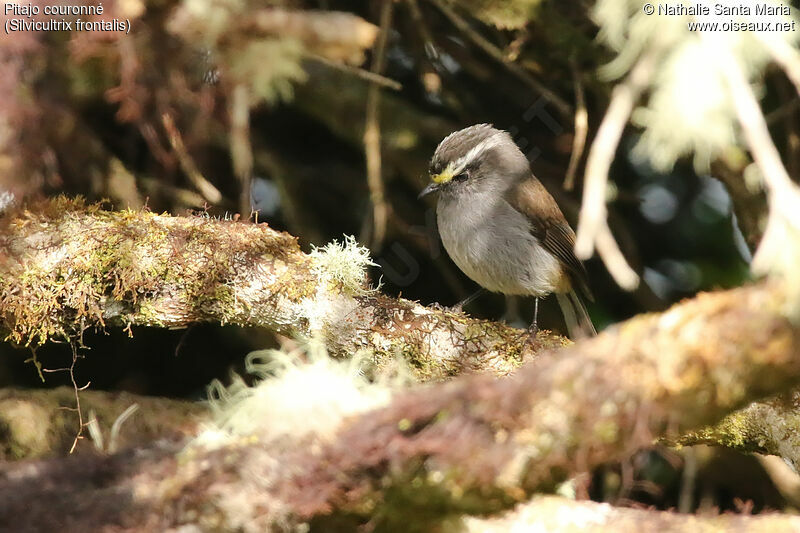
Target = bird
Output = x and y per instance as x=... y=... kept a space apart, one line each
x=502 y=228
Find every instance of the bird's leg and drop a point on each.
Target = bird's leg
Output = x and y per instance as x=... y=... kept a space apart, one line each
x=471 y=298
x=535 y=324
x=534 y=327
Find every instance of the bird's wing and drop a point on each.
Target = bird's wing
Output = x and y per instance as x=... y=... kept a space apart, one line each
x=548 y=224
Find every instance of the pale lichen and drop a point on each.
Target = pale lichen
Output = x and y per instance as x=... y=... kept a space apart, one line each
x=344 y=264
x=332 y=390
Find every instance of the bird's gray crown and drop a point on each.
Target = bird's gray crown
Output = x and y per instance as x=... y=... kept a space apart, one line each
x=463 y=147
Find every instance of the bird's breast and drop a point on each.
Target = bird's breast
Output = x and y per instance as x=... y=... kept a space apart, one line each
x=491 y=242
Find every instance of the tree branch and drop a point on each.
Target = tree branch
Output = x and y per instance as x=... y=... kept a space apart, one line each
x=771 y=427
x=65 y=267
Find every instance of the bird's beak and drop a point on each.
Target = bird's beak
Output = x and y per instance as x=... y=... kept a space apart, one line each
x=433 y=187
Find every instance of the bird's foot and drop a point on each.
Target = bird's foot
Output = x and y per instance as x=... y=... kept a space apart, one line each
x=532 y=344
x=532 y=332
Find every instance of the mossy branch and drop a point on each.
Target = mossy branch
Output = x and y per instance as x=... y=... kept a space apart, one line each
x=66 y=266
x=770 y=427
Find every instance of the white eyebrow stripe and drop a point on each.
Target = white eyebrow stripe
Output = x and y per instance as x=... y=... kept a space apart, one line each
x=458 y=166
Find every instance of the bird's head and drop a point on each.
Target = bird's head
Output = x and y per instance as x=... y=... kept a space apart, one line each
x=479 y=154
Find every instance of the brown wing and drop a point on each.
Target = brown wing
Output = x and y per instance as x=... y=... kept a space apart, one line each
x=530 y=198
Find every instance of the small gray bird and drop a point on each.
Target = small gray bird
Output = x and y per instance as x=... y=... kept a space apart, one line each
x=500 y=225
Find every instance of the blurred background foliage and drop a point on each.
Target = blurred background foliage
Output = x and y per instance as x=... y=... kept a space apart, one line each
x=233 y=106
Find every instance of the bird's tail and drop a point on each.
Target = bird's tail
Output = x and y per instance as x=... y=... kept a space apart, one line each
x=579 y=325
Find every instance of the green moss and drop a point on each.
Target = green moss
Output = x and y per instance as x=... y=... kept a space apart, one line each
x=150 y=314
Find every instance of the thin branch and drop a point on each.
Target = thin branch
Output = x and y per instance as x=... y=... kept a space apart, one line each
x=77 y=393
x=593 y=230
x=241 y=149
x=581 y=129
x=203 y=186
x=372 y=135
x=366 y=75
x=615 y=261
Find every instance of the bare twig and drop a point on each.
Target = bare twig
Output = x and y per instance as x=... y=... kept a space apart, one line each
x=494 y=52
x=581 y=129
x=241 y=149
x=76 y=390
x=755 y=130
x=372 y=135
x=593 y=227
x=181 y=197
x=366 y=75
x=203 y=186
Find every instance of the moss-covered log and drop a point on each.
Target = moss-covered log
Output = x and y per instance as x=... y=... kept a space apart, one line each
x=65 y=266
x=568 y=411
x=43 y=423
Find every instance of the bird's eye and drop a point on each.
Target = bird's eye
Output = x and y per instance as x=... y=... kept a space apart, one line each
x=461 y=177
